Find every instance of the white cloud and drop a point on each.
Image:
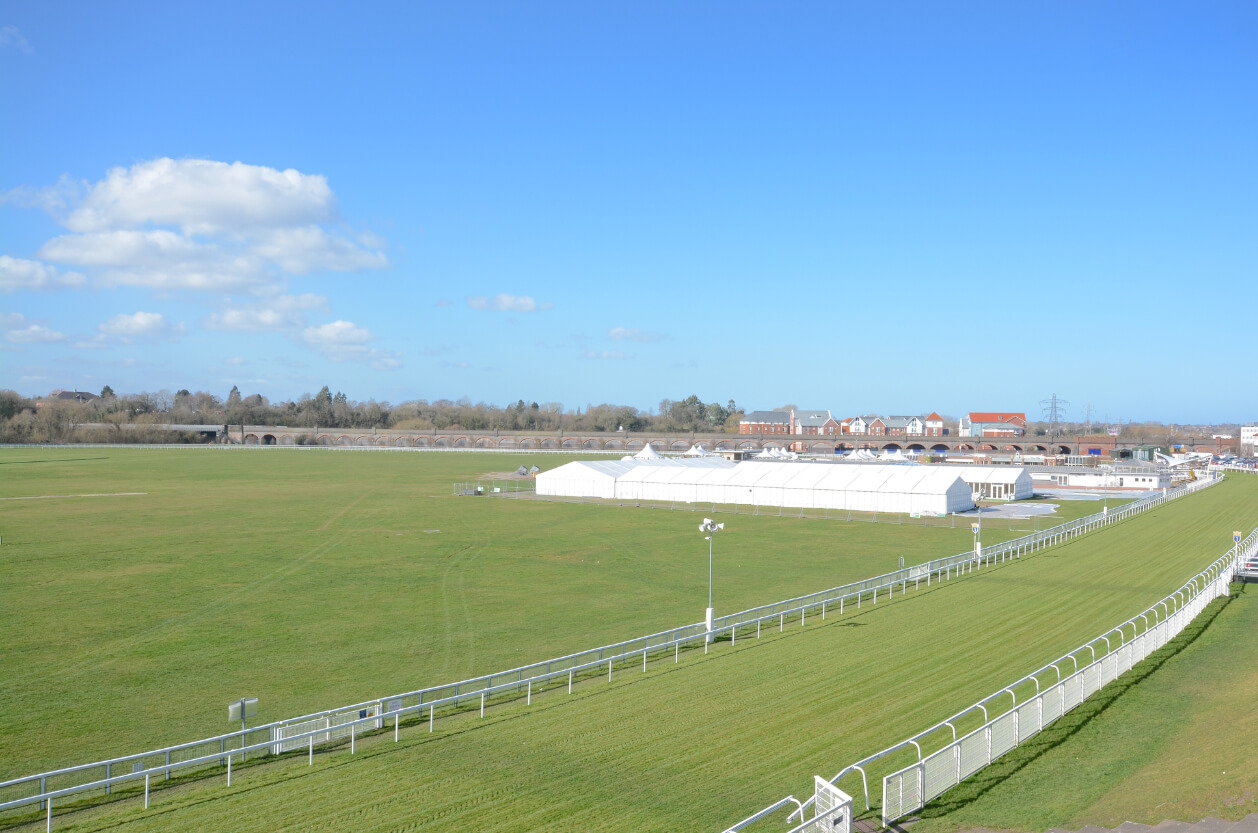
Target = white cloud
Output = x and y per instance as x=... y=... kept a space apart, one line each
x=18 y=273
x=502 y=302
x=631 y=334
x=11 y=320
x=10 y=37
x=336 y=334
x=201 y=225
x=301 y=250
x=284 y=312
x=139 y=324
x=234 y=361
x=202 y=196
x=34 y=334
x=345 y=341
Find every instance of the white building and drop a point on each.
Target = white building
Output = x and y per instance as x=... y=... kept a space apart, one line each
x=999 y=482
x=1103 y=478
x=1249 y=440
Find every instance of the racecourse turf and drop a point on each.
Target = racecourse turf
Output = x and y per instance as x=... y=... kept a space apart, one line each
x=313 y=578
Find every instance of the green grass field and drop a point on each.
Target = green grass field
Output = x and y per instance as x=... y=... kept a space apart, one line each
x=310 y=579
x=1175 y=738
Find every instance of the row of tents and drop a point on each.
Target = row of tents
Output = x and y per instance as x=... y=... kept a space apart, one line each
x=910 y=489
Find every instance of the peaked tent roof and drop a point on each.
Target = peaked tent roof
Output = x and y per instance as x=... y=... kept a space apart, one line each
x=648 y=452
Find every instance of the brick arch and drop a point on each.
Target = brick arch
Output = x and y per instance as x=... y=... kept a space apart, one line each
x=288 y=439
x=484 y=442
x=252 y=439
x=891 y=447
x=821 y=448
x=269 y=439
x=324 y=439
x=635 y=445
x=440 y=442
x=550 y=442
x=1064 y=449
x=592 y=444
x=402 y=442
x=612 y=445
x=986 y=447
x=422 y=442
x=842 y=447
x=462 y=442
x=772 y=444
x=917 y=447
x=343 y=440
x=964 y=447
x=570 y=442
x=528 y=442
x=1012 y=447
x=939 y=447
x=1039 y=448
x=724 y=445
x=380 y=441
x=362 y=441
x=679 y=445
x=508 y=442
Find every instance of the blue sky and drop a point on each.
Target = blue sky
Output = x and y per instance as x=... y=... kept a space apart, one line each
x=890 y=208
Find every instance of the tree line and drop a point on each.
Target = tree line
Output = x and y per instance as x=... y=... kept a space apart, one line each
x=24 y=420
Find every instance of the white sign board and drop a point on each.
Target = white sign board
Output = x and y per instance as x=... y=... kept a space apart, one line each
x=247 y=705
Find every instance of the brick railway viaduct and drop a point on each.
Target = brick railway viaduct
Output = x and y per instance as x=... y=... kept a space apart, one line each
x=677 y=442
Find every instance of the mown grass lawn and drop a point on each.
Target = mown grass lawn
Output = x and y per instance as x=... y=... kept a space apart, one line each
x=314 y=578
x=308 y=579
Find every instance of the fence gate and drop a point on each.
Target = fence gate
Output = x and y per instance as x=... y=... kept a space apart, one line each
x=833 y=809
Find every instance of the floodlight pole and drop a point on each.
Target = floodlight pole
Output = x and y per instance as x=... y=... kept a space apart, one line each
x=710 y=527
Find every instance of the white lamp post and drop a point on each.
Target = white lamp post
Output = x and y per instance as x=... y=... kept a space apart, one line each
x=978 y=527
x=711 y=528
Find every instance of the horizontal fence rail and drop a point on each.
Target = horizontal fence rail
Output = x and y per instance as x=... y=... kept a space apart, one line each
x=338 y=724
x=1023 y=709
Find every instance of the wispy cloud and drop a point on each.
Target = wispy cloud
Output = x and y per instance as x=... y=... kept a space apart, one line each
x=278 y=314
x=604 y=355
x=345 y=341
x=11 y=38
x=502 y=302
x=631 y=334
x=140 y=325
x=34 y=334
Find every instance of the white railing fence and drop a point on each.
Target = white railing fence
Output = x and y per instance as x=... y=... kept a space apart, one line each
x=1021 y=710
x=335 y=725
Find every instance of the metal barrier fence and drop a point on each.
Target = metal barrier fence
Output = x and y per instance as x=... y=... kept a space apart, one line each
x=494 y=487
x=334 y=725
x=1007 y=721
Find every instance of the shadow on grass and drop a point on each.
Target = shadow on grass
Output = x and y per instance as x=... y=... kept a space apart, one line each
x=1065 y=727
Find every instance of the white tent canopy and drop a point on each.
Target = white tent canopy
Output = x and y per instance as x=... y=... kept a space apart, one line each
x=869 y=488
x=648 y=452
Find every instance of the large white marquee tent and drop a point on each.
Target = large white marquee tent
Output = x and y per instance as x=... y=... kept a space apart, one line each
x=867 y=488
